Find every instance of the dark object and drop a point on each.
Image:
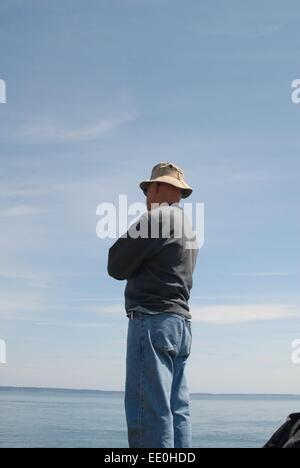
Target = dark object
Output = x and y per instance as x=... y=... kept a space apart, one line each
x=288 y=435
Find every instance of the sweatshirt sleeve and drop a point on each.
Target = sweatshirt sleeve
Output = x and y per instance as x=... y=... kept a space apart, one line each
x=128 y=253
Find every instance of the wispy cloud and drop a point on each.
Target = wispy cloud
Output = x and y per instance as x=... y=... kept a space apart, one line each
x=235 y=314
x=22 y=308
x=250 y=176
x=48 y=187
x=21 y=210
x=53 y=132
x=108 y=309
x=253 y=273
x=21 y=191
x=220 y=314
x=72 y=324
x=251 y=32
x=265 y=273
x=32 y=281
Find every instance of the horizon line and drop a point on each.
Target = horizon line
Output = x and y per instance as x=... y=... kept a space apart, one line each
x=62 y=389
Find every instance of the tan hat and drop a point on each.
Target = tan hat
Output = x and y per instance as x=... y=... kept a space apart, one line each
x=170 y=174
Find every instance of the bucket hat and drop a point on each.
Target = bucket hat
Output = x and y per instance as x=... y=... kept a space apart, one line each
x=170 y=174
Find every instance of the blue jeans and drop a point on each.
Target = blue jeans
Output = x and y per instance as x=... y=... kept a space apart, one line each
x=156 y=391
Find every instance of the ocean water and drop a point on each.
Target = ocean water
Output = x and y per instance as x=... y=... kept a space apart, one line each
x=51 y=418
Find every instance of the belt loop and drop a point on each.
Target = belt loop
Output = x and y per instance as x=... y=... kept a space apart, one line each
x=131 y=314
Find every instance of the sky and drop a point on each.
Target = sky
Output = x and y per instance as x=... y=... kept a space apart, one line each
x=98 y=92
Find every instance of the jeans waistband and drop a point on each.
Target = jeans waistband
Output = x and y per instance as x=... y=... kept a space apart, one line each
x=136 y=313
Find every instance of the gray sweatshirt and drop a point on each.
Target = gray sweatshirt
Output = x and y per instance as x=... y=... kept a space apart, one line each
x=157 y=257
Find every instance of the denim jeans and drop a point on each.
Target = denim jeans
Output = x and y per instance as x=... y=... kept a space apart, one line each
x=156 y=391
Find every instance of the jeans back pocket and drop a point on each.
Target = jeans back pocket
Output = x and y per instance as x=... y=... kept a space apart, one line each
x=167 y=333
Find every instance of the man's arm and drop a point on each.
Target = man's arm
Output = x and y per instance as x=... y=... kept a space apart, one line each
x=128 y=254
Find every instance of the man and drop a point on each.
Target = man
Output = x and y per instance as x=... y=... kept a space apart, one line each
x=158 y=268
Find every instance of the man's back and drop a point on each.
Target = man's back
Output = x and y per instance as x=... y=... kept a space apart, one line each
x=164 y=280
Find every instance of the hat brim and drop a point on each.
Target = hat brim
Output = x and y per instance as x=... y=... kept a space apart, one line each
x=186 y=189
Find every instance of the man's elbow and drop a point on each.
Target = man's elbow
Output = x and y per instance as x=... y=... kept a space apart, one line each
x=114 y=272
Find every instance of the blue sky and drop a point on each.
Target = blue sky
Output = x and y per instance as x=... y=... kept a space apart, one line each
x=97 y=93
